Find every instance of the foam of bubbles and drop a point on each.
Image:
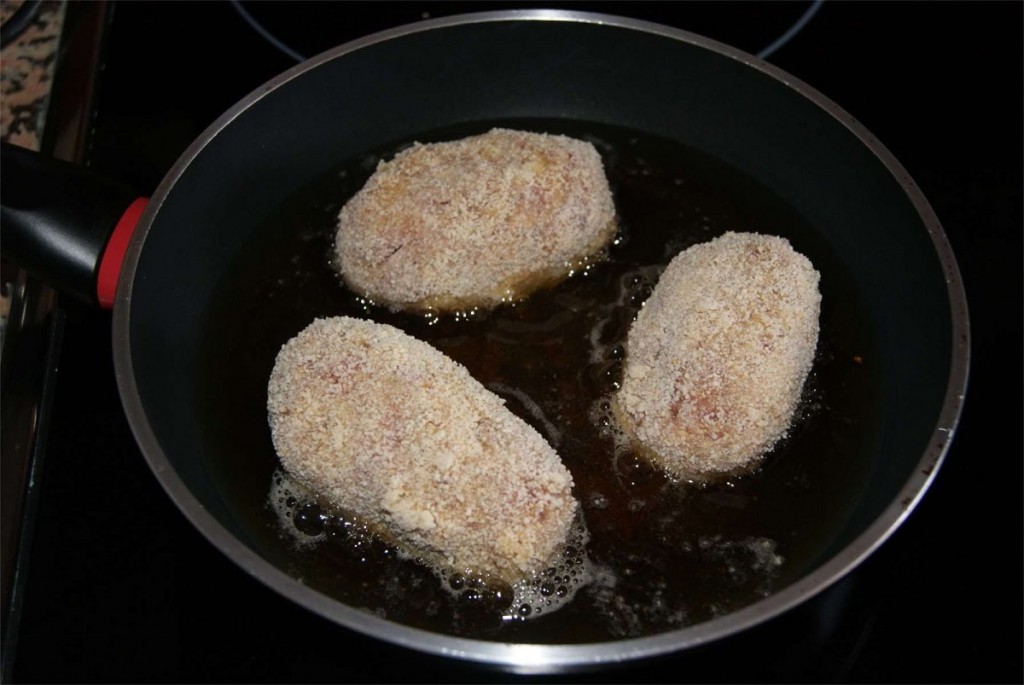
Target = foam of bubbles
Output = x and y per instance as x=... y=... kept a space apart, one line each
x=556 y=585
x=539 y=595
x=628 y=617
x=303 y=521
x=288 y=498
x=603 y=417
x=748 y=560
x=755 y=554
x=634 y=287
x=634 y=598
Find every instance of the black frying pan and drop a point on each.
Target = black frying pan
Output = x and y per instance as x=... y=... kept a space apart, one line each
x=760 y=151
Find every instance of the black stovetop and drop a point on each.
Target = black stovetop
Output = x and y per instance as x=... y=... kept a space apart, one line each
x=121 y=588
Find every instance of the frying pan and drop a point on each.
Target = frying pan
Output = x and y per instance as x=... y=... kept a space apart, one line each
x=863 y=210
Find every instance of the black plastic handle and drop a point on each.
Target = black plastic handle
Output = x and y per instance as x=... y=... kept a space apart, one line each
x=57 y=218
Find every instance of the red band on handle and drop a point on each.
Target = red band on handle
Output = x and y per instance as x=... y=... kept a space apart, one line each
x=113 y=254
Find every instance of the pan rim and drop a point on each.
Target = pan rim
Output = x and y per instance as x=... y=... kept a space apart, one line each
x=533 y=657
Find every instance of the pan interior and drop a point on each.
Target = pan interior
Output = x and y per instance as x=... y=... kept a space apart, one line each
x=664 y=555
x=235 y=262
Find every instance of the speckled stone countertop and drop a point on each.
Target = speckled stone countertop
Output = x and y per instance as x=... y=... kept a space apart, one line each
x=30 y=323
x=26 y=72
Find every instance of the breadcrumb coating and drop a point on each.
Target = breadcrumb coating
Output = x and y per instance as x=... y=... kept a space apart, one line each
x=475 y=222
x=384 y=426
x=717 y=357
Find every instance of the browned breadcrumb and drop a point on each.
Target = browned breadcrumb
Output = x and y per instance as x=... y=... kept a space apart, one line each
x=384 y=426
x=717 y=357
x=475 y=222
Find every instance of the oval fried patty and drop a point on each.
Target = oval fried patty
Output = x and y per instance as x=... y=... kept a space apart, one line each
x=384 y=426
x=717 y=357
x=475 y=222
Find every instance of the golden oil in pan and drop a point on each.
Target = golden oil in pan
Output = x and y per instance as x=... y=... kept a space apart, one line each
x=660 y=554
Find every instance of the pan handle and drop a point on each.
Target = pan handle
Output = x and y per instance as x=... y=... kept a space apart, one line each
x=64 y=224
